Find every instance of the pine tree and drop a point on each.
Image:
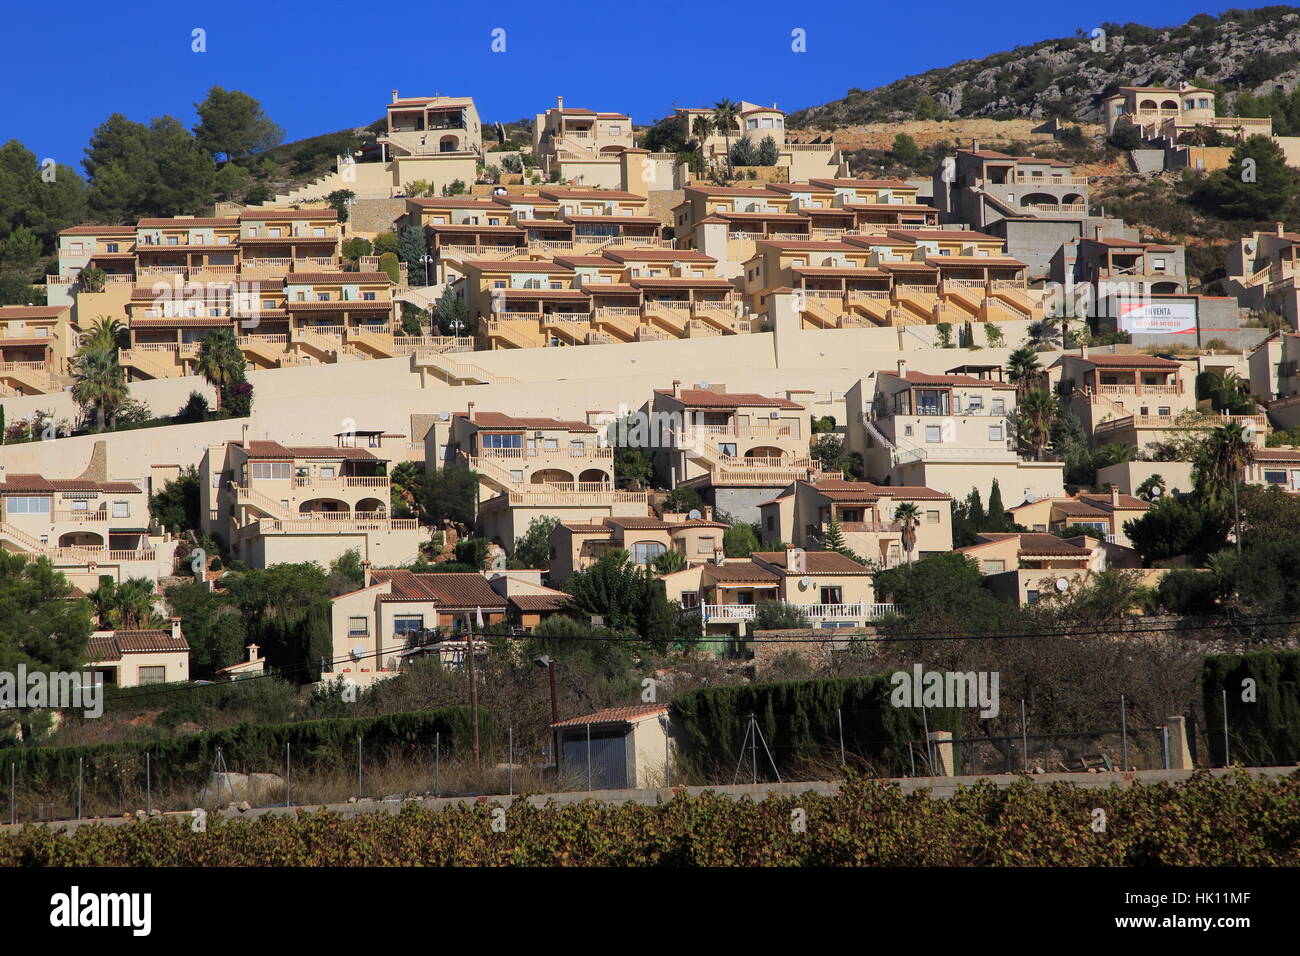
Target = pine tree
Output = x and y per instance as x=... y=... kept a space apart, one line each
x=834 y=540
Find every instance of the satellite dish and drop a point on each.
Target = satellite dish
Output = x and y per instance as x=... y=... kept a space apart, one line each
x=805 y=583
x=1030 y=498
x=357 y=650
x=695 y=514
x=1156 y=491
x=1062 y=585
x=677 y=264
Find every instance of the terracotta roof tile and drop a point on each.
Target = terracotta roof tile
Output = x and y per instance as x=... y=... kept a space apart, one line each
x=615 y=715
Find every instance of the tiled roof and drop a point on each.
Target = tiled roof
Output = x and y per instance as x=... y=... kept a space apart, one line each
x=815 y=562
x=744 y=572
x=559 y=194
x=266 y=215
x=953 y=235
x=658 y=524
x=98 y=231
x=111 y=645
x=862 y=183
x=681 y=283
x=517 y=265
x=337 y=278
x=451 y=589
x=838 y=489
x=175 y=223
x=1050 y=545
x=705 y=398
x=1277 y=454
x=539 y=602
x=925 y=378
x=33 y=311
x=615 y=715
x=1126 y=361
x=501 y=420
x=273 y=449
x=19 y=482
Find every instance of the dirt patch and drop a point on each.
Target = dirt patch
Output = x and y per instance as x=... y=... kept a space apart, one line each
x=990 y=133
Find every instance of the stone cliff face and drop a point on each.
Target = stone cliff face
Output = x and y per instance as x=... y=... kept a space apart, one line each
x=1245 y=50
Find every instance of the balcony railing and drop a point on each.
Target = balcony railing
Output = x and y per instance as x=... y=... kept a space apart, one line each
x=861 y=611
x=343 y=481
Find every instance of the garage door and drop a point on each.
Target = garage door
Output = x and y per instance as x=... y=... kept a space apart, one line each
x=608 y=757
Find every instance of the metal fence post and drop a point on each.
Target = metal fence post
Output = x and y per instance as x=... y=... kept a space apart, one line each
x=1227 y=761
x=81 y=763
x=1024 y=736
x=437 y=764
x=588 y=757
x=148 y=784
x=358 y=766
x=1164 y=746
x=12 y=797
x=1123 y=731
x=839 y=718
x=288 y=775
x=510 y=758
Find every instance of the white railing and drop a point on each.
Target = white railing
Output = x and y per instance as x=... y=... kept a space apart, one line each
x=861 y=611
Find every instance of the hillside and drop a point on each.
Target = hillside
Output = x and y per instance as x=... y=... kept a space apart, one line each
x=1249 y=51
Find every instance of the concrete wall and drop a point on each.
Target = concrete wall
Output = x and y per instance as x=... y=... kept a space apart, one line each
x=1127 y=476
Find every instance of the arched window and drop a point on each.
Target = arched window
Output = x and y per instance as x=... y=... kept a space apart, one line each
x=643 y=552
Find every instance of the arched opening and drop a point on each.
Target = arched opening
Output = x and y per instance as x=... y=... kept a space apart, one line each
x=327 y=505
x=1038 y=199
x=551 y=476
x=1147 y=105
x=448 y=144
x=832 y=262
x=81 y=539
x=1073 y=199
x=1169 y=105
x=1164 y=288
x=371 y=506
x=764 y=451
x=643 y=552
x=594 y=475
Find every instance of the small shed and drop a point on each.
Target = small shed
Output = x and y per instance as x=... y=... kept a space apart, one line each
x=617 y=748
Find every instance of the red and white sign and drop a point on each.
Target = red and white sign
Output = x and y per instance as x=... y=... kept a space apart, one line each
x=1167 y=318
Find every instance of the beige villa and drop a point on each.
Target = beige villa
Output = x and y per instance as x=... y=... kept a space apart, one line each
x=132 y=658
x=274 y=503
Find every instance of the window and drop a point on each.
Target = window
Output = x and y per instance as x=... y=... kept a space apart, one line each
x=999 y=406
x=268 y=303
x=322 y=296
x=706 y=545
x=368 y=297
x=27 y=505
x=121 y=509
x=327 y=471
x=932 y=433
x=273 y=231
x=1275 y=477
x=491 y=440
x=992 y=566
x=406 y=624
x=690 y=599
x=728 y=449
x=1163 y=410
x=771 y=523
x=318 y=231
x=78 y=504
x=152 y=675
x=111 y=246
x=1031 y=597
x=907 y=430
x=975 y=403
x=643 y=552
x=932 y=517
x=269 y=470
x=832 y=596
x=358 y=627
x=173 y=241
x=995 y=433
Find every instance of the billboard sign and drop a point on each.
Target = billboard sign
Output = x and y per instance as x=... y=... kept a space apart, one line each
x=1162 y=318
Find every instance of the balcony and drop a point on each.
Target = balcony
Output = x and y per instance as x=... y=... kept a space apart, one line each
x=861 y=611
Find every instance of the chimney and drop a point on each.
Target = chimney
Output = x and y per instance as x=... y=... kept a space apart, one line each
x=1083 y=350
x=245 y=435
x=469 y=410
x=176 y=629
x=707 y=510
x=975 y=146
x=253 y=650
x=559 y=102
x=394 y=96
x=717 y=556
x=365 y=567
x=1281 y=228
x=902 y=368
x=1114 y=496
x=677 y=388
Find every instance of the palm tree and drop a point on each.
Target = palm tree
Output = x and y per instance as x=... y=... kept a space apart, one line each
x=104 y=600
x=220 y=361
x=1043 y=332
x=104 y=334
x=1035 y=415
x=909 y=516
x=701 y=127
x=725 y=114
x=100 y=383
x=1023 y=370
x=1220 y=464
x=134 y=604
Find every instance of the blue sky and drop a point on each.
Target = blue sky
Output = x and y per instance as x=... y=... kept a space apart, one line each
x=324 y=65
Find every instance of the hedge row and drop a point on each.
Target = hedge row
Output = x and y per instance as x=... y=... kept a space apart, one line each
x=1262 y=732
x=1237 y=821
x=321 y=745
x=801 y=720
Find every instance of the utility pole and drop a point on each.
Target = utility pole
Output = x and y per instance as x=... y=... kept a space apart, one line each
x=473 y=686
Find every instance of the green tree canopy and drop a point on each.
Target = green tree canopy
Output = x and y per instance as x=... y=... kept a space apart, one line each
x=232 y=125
